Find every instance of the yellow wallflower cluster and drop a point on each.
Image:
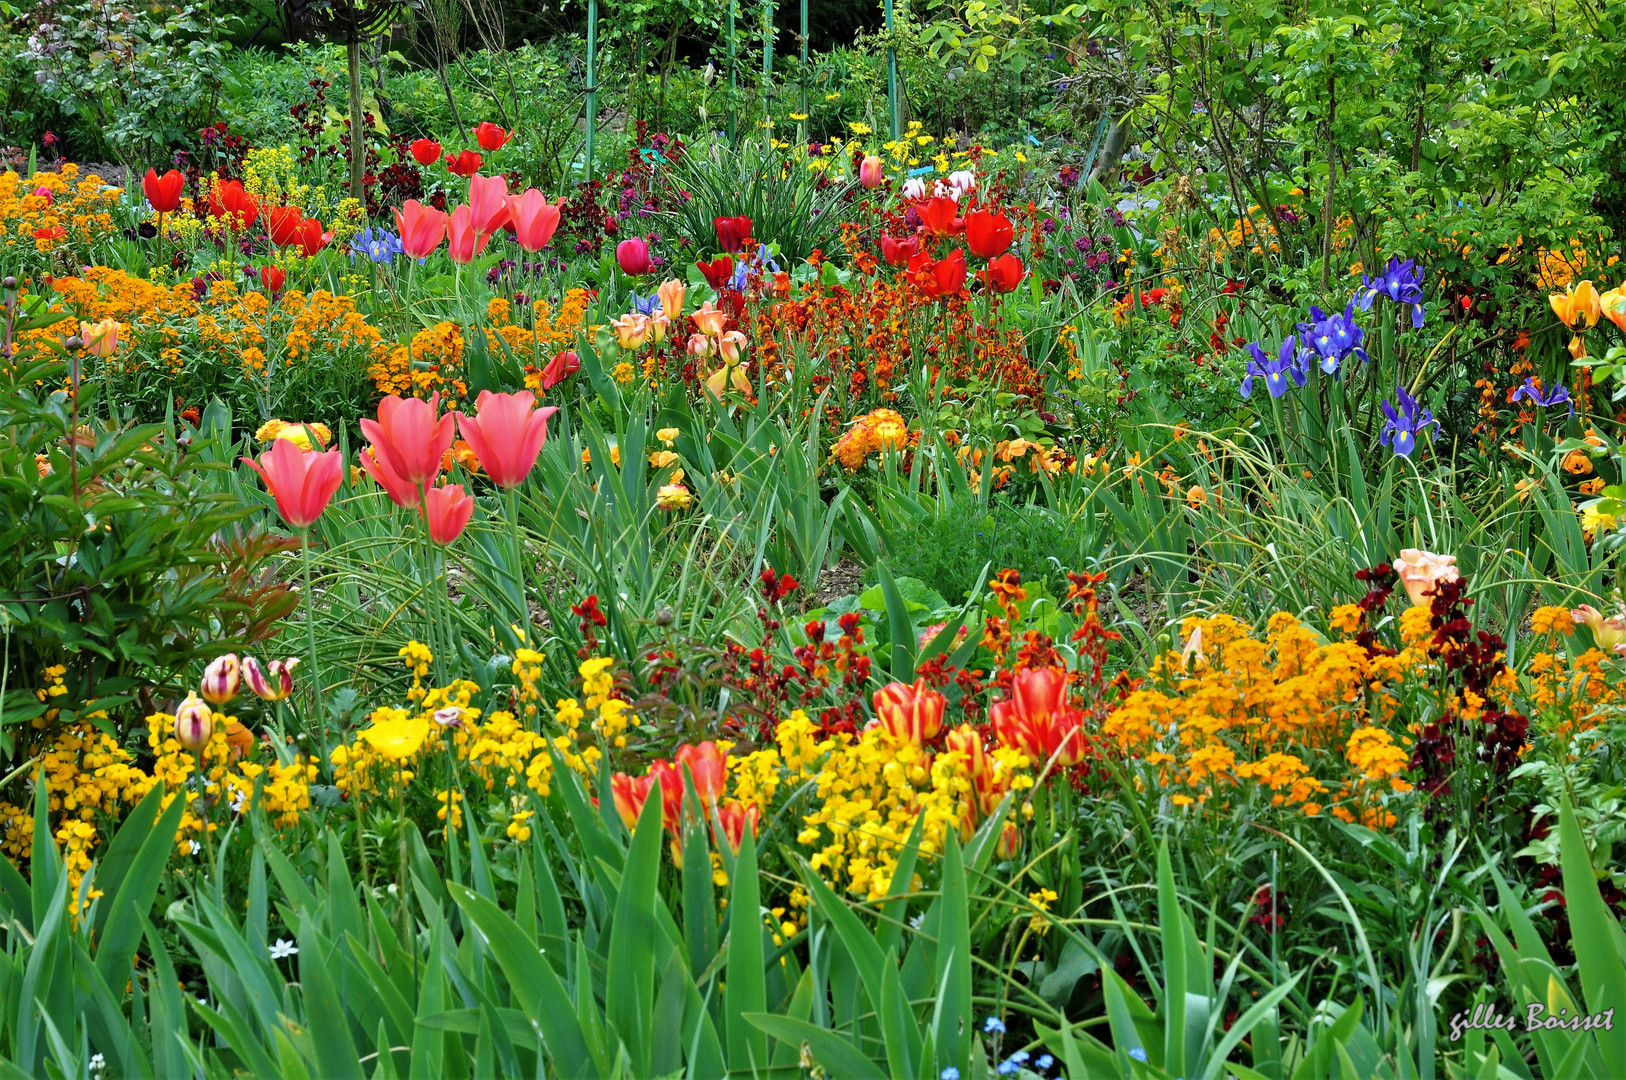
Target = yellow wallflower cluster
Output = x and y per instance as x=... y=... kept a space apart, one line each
x=48 y=210
x=1293 y=717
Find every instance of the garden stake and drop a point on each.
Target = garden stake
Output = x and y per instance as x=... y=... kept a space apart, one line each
x=592 y=81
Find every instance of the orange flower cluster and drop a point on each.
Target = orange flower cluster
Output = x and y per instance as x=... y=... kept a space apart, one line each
x=49 y=210
x=883 y=429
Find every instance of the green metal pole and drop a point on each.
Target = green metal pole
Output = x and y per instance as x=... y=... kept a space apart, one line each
x=891 y=76
x=767 y=68
x=733 y=74
x=801 y=135
x=592 y=80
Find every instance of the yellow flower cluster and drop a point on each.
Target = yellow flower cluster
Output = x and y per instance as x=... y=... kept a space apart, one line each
x=1234 y=712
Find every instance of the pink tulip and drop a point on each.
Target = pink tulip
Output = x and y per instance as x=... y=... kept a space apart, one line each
x=301 y=481
x=633 y=257
x=408 y=439
x=534 y=220
x=400 y=492
x=871 y=173
x=488 y=203
x=422 y=228
x=700 y=346
x=506 y=433
x=466 y=241
x=447 y=510
x=732 y=346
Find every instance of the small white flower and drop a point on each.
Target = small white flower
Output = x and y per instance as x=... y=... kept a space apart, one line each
x=917 y=920
x=281 y=949
x=97 y=1063
x=194 y=846
x=237 y=803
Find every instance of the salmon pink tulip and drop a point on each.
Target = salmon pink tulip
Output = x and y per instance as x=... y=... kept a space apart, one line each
x=422 y=228
x=731 y=346
x=301 y=481
x=464 y=241
x=447 y=509
x=488 y=203
x=708 y=320
x=872 y=172
x=400 y=492
x=409 y=438
x=671 y=294
x=163 y=192
x=534 y=220
x=506 y=433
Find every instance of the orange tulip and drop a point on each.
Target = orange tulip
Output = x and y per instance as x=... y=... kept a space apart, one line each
x=708 y=320
x=708 y=767
x=1037 y=719
x=671 y=294
x=1577 y=303
x=735 y=817
x=913 y=713
x=630 y=793
x=1613 y=306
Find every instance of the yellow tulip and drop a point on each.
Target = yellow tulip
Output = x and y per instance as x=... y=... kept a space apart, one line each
x=397 y=739
x=1613 y=305
x=1577 y=303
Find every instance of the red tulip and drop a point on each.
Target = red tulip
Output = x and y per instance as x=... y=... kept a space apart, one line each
x=466 y=163
x=488 y=203
x=272 y=279
x=633 y=256
x=282 y=224
x=229 y=203
x=163 y=192
x=718 y=273
x=506 y=433
x=899 y=252
x=913 y=713
x=301 y=481
x=943 y=277
x=988 y=234
x=671 y=781
x=465 y=242
x=1005 y=273
x=425 y=151
x=735 y=817
x=561 y=367
x=1037 y=719
x=409 y=439
x=708 y=767
x=447 y=510
x=534 y=221
x=937 y=213
x=311 y=238
x=490 y=136
x=400 y=492
x=630 y=793
x=732 y=233
x=422 y=228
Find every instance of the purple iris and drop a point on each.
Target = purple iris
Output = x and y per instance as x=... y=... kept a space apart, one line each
x=1402 y=283
x=1334 y=337
x=645 y=305
x=1531 y=391
x=1401 y=429
x=1291 y=363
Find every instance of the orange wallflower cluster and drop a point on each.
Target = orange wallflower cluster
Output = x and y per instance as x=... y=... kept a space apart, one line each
x=49 y=210
x=883 y=429
x=433 y=359
x=1297 y=720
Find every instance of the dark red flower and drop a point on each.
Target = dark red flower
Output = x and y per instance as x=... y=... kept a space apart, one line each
x=718 y=272
x=899 y=252
x=732 y=233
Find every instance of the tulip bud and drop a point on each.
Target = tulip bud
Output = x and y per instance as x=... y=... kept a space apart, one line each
x=732 y=346
x=221 y=679
x=274 y=685
x=870 y=172
x=699 y=346
x=633 y=257
x=194 y=723
x=1010 y=841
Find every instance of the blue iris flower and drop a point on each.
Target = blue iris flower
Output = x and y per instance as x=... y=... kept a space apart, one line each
x=765 y=258
x=1531 y=391
x=1401 y=429
x=645 y=305
x=1291 y=363
x=1334 y=337
x=378 y=244
x=1402 y=283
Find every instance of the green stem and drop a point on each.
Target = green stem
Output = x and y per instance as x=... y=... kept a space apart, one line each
x=511 y=496
x=310 y=642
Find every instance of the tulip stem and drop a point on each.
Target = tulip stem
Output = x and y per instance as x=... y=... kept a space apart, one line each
x=512 y=497
x=310 y=641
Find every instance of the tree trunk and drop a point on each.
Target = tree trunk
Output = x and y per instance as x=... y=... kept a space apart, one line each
x=358 y=136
